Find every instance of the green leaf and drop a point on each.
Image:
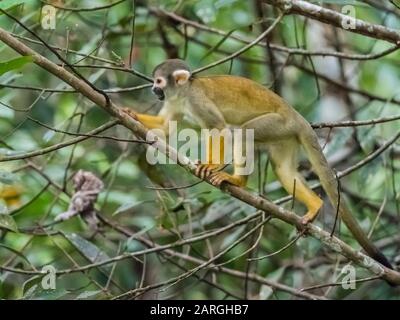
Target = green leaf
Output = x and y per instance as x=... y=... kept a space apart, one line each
x=8 y=222
x=15 y=252
x=232 y=237
x=32 y=288
x=87 y=249
x=339 y=141
x=37 y=292
x=88 y=294
x=7 y=152
x=265 y=290
x=7 y=177
x=128 y=206
x=8 y=4
x=135 y=235
x=219 y=209
x=49 y=135
x=14 y=64
x=31 y=284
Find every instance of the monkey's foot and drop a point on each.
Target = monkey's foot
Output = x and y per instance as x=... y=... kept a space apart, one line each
x=310 y=216
x=130 y=113
x=217 y=178
x=306 y=220
x=205 y=170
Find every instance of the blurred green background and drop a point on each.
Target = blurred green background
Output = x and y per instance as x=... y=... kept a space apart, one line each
x=98 y=43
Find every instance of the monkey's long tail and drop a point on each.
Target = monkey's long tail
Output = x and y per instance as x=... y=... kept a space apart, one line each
x=310 y=143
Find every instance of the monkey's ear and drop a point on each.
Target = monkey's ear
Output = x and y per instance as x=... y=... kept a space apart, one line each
x=181 y=76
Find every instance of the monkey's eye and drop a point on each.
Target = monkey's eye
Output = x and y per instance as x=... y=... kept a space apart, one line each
x=158 y=80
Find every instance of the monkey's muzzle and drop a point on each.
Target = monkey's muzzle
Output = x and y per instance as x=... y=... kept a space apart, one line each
x=159 y=93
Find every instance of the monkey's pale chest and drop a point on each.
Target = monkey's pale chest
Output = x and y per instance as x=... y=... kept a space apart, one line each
x=173 y=107
x=184 y=107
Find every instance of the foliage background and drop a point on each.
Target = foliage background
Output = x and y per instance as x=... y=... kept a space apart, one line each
x=33 y=103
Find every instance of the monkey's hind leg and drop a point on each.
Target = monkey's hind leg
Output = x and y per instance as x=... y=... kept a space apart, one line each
x=284 y=159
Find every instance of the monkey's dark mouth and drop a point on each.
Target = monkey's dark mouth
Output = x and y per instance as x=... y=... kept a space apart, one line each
x=159 y=93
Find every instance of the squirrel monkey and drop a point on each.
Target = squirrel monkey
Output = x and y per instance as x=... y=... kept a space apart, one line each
x=223 y=101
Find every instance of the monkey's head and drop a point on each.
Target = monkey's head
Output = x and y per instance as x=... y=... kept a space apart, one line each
x=169 y=77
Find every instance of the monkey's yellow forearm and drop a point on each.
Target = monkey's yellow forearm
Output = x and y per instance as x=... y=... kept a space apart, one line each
x=151 y=122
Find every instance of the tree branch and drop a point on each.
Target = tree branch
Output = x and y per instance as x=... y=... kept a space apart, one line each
x=254 y=200
x=336 y=19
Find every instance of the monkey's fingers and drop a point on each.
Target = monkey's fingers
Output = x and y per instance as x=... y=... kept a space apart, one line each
x=130 y=113
x=202 y=171
x=217 y=178
x=205 y=170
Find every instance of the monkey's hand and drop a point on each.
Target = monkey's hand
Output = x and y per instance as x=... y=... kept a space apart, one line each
x=204 y=170
x=217 y=178
x=130 y=113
